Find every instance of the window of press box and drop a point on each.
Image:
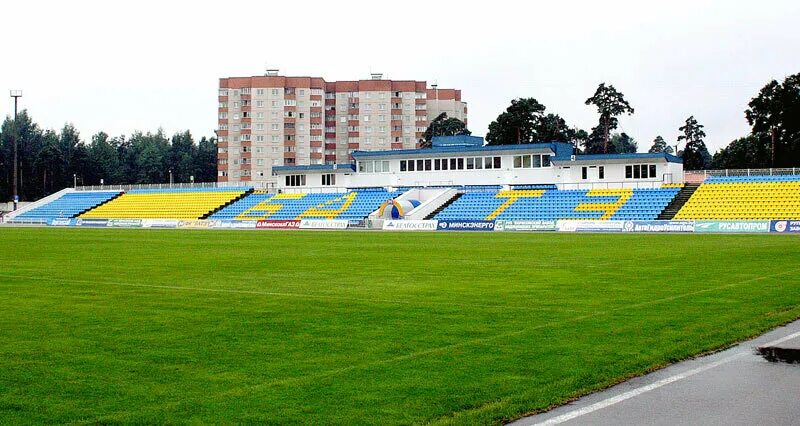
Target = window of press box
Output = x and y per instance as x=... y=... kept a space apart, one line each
x=328 y=179
x=640 y=171
x=295 y=180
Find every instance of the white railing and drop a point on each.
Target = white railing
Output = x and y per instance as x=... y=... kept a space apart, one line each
x=611 y=185
x=700 y=175
x=313 y=189
x=261 y=185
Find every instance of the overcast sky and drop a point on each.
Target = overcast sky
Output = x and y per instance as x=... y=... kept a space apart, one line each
x=125 y=66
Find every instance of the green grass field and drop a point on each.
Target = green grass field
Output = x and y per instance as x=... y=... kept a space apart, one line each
x=148 y=326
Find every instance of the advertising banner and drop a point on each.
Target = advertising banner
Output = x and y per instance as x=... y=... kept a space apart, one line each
x=589 y=225
x=159 y=223
x=92 y=222
x=124 y=223
x=361 y=224
x=658 y=226
x=278 y=224
x=233 y=224
x=194 y=224
x=466 y=225
x=410 y=225
x=323 y=224
x=525 y=225
x=785 y=226
x=62 y=222
x=732 y=226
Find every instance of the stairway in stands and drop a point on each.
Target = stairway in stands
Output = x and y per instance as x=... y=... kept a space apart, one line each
x=444 y=206
x=678 y=202
x=207 y=215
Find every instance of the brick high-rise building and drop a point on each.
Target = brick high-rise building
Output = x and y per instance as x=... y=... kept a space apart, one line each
x=273 y=120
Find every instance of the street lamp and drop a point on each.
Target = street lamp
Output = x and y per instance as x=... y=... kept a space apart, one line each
x=16 y=94
x=170 y=177
x=75 y=180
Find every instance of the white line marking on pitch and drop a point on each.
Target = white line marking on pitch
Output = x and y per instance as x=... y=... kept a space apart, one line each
x=663 y=382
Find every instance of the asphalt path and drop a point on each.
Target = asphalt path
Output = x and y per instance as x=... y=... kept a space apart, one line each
x=733 y=387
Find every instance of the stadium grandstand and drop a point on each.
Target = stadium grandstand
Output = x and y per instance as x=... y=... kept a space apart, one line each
x=532 y=182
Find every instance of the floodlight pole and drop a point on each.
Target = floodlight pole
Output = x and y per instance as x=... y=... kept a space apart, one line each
x=16 y=94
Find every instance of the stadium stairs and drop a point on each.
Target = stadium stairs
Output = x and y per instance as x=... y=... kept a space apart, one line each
x=444 y=206
x=677 y=203
x=208 y=215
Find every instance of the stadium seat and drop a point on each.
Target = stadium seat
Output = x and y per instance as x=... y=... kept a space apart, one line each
x=353 y=205
x=553 y=204
x=744 y=198
x=183 y=203
x=66 y=206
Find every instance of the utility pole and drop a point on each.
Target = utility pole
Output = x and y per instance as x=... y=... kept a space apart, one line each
x=16 y=94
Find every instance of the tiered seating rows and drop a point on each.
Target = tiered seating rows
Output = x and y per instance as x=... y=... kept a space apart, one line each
x=353 y=205
x=67 y=206
x=182 y=203
x=744 y=198
x=618 y=204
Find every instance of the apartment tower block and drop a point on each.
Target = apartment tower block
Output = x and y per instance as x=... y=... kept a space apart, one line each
x=273 y=120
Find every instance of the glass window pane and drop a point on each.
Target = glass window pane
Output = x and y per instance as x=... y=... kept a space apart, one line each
x=410 y=165
x=652 y=170
x=470 y=163
x=497 y=162
x=517 y=161
x=453 y=164
x=537 y=161
x=637 y=172
x=437 y=164
x=487 y=162
x=460 y=164
x=402 y=165
x=478 y=163
x=545 y=161
x=420 y=165
x=427 y=164
x=628 y=172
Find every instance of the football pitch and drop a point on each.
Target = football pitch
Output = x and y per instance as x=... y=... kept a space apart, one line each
x=166 y=326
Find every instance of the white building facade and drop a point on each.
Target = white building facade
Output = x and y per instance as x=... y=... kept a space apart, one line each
x=503 y=165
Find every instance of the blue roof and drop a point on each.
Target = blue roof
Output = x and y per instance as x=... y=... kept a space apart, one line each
x=458 y=140
x=555 y=147
x=630 y=156
x=314 y=167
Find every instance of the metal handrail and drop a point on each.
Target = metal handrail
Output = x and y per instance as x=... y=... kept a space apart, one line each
x=695 y=174
x=612 y=185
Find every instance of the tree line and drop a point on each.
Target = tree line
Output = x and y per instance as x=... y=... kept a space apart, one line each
x=50 y=160
x=773 y=115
